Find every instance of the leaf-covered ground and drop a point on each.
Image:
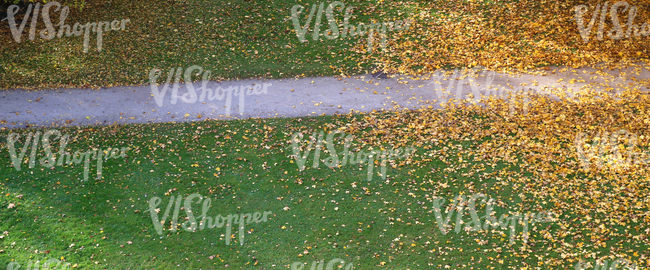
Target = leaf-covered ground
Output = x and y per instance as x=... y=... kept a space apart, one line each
x=527 y=162
x=234 y=39
x=254 y=39
x=509 y=36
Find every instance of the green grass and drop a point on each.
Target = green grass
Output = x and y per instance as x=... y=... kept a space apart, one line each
x=369 y=228
x=234 y=39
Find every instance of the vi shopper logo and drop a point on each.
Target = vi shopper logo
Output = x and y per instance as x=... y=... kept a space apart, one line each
x=191 y=95
x=50 y=32
x=617 y=31
x=481 y=80
x=334 y=32
x=50 y=160
x=48 y=264
x=333 y=264
x=617 y=264
x=334 y=160
x=609 y=150
x=191 y=224
x=461 y=203
x=472 y=76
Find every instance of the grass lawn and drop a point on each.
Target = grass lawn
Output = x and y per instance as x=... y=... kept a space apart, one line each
x=245 y=166
x=234 y=39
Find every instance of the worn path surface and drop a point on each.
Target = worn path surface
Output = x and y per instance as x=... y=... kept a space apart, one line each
x=285 y=97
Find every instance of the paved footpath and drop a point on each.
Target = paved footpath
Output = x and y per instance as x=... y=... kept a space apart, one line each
x=283 y=98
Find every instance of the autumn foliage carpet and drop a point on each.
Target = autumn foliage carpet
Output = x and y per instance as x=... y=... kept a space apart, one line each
x=256 y=39
x=527 y=160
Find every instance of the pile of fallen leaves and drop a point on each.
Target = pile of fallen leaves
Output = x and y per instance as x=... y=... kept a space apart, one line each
x=506 y=35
